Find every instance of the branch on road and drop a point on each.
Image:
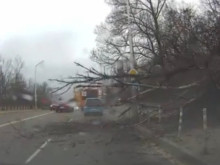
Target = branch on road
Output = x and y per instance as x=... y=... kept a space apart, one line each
x=121 y=80
x=124 y=112
x=19 y=133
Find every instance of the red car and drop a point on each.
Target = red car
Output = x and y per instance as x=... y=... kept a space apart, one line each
x=64 y=108
x=53 y=107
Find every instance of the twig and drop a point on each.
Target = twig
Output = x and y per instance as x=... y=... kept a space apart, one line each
x=125 y=111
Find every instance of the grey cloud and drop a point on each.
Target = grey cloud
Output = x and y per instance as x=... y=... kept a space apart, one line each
x=59 y=50
x=55 y=48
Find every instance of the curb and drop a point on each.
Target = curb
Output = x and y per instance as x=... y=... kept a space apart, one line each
x=178 y=152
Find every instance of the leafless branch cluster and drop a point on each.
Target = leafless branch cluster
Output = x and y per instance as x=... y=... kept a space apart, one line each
x=120 y=80
x=174 y=38
x=168 y=42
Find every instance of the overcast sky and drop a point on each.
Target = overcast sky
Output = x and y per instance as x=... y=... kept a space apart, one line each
x=56 y=31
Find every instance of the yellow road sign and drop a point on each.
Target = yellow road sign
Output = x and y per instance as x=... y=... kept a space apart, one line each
x=132 y=72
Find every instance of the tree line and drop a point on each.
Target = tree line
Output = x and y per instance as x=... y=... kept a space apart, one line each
x=15 y=89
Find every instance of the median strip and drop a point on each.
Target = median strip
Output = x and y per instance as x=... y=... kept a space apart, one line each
x=18 y=121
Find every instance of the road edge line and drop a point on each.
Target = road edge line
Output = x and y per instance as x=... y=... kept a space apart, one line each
x=18 y=121
x=172 y=147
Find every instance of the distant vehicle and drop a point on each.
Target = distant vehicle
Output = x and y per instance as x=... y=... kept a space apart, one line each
x=53 y=107
x=93 y=106
x=64 y=108
x=83 y=92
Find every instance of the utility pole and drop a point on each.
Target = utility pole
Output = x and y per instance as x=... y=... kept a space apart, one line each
x=35 y=83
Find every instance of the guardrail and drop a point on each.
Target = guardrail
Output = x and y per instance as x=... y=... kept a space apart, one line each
x=19 y=107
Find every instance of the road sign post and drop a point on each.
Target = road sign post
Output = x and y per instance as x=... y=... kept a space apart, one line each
x=134 y=88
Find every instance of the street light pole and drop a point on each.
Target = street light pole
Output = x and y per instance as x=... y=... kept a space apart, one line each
x=132 y=58
x=35 y=83
x=133 y=64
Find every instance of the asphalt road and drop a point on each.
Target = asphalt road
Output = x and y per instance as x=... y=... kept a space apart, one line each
x=45 y=137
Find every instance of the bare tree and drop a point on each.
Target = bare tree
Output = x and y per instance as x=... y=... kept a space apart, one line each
x=168 y=42
x=146 y=27
x=6 y=76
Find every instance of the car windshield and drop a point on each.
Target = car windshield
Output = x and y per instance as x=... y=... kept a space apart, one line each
x=93 y=102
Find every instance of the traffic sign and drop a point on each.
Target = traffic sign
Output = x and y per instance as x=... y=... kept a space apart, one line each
x=133 y=72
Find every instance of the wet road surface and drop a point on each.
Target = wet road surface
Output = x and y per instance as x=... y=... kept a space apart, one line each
x=46 y=138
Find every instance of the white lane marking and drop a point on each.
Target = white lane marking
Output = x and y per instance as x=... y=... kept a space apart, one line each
x=18 y=121
x=70 y=120
x=37 y=151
